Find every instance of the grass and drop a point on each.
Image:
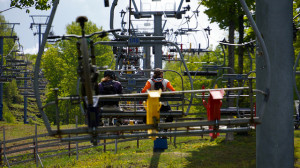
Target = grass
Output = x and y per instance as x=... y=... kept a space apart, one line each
x=297 y=148
x=189 y=152
x=130 y=156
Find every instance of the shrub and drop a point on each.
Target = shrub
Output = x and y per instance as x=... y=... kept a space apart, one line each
x=7 y=115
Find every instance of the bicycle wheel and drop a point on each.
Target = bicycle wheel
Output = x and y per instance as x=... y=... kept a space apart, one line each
x=86 y=71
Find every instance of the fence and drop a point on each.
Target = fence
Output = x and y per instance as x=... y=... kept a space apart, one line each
x=40 y=146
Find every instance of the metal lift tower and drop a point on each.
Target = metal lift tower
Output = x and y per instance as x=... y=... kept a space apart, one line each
x=275 y=134
x=158 y=26
x=39 y=22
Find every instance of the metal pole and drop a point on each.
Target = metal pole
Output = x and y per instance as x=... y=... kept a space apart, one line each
x=129 y=18
x=275 y=134
x=158 y=47
x=1 y=84
x=40 y=37
x=37 y=68
x=146 y=61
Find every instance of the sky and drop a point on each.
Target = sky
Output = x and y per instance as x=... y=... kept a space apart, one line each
x=95 y=11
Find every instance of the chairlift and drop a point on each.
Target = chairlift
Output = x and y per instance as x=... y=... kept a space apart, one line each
x=94 y=132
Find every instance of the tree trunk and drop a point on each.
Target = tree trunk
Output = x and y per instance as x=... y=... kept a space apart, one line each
x=231 y=48
x=230 y=136
x=241 y=48
x=231 y=54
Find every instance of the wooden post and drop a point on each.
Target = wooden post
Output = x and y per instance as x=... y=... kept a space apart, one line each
x=104 y=146
x=57 y=108
x=1 y=153
x=170 y=136
x=36 y=147
x=138 y=142
x=76 y=119
x=175 y=136
x=4 y=148
x=116 y=146
x=34 y=154
x=69 y=146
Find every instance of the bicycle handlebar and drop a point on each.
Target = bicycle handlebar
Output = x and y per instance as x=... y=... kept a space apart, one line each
x=101 y=34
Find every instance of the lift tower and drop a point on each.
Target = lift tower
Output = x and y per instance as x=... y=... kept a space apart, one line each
x=39 y=22
x=158 y=26
x=274 y=137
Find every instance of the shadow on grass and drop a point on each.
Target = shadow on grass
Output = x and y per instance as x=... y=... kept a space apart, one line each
x=155 y=159
x=239 y=153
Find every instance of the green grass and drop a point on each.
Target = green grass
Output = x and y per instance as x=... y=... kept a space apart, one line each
x=17 y=110
x=297 y=148
x=189 y=152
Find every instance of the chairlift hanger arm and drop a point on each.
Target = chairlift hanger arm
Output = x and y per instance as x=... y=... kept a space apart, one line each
x=242 y=44
x=83 y=130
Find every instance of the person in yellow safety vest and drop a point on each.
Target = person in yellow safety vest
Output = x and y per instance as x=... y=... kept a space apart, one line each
x=158 y=82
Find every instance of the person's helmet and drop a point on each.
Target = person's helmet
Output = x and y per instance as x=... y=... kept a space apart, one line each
x=109 y=73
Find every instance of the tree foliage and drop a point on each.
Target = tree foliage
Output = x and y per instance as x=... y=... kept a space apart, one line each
x=60 y=64
x=10 y=90
x=5 y=30
x=296 y=21
x=223 y=11
x=38 y=4
x=11 y=93
x=229 y=14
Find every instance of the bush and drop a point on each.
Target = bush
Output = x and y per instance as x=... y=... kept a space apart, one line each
x=7 y=115
x=11 y=93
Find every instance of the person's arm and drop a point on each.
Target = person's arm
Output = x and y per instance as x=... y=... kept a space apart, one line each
x=170 y=87
x=147 y=86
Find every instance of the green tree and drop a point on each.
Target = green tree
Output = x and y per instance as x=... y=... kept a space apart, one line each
x=296 y=7
x=229 y=14
x=194 y=63
x=5 y=30
x=60 y=64
x=38 y=4
x=10 y=90
x=11 y=93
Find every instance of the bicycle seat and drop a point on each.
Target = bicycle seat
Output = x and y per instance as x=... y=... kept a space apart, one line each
x=81 y=19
